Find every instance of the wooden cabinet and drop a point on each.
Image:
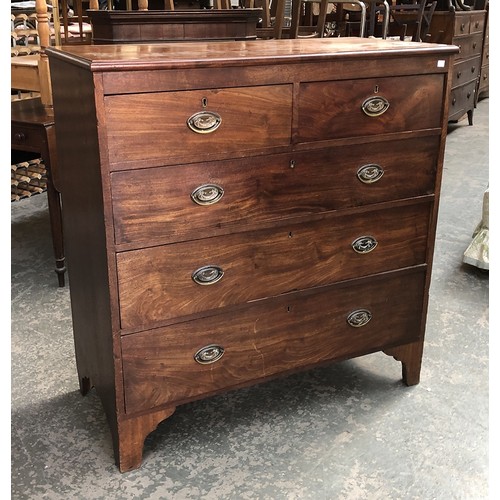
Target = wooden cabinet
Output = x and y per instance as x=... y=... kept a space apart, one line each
x=242 y=210
x=484 y=77
x=465 y=29
x=124 y=26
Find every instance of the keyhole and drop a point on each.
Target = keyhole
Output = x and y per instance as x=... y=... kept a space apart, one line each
x=288 y=308
x=375 y=89
x=204 y=102
x=290 y=234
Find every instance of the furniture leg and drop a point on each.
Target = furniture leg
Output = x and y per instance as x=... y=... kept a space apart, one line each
x=132 y=433
x=55 y=211
x=410 y=356
x=470 y=116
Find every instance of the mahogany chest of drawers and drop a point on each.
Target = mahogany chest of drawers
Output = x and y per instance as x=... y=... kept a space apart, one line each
x=466 y=30
x=239 y=210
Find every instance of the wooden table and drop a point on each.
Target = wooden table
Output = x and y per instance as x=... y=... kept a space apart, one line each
x=32 y=129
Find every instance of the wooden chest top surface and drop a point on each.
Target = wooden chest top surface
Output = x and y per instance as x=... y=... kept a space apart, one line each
x=196 y=54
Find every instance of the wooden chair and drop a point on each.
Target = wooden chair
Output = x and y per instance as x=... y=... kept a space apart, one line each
x=76 y=28
x=406 y=20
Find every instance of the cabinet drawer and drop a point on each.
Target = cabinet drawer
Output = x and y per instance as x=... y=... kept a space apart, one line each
x=154 y=205
x=469 y=46
x=466 y=71
x=27 y=138
x=462 y=24
x=462 y=100
x=329 y=110
x=477 y=21
x=172 y=127
x=270 y=337
x=158 y=284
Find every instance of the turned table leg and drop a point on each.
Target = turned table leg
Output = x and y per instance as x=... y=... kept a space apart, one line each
x=132 y=431
x=410 y=356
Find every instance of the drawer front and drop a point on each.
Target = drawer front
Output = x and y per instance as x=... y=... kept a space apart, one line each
x=477 y=22
x=30 y=139
x=484 y=79
x=329 y=110
x=171 y=127
x=462 y=24
x=462 y=100
x=158 y=284
x=181 y=202
x=470 y=46
x=269 y=337
x=466 y=71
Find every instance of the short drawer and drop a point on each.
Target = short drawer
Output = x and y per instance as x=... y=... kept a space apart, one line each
x=172 y=127
x=477 y=21
x=329 y=110
x=462 y=24
x=466 y=71
x=27 y=138
x=161 y=283
x=161 y=205
x=185 y=361
x=470 y=46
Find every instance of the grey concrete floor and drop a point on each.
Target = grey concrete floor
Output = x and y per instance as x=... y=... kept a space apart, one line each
x=348 y=431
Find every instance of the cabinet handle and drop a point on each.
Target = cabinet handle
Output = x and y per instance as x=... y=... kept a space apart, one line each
x=209 y=354
x=368 y=174
x=474 y=45
x=453 y=101
x=459 y=74
x=364 y=244
x=204 y=122
x=19 y=137
x=359 y=318
x=207 y=275
x=462 y=27
x=208 y=194
x=473 y=69
x=375 y=106
x=469 y=94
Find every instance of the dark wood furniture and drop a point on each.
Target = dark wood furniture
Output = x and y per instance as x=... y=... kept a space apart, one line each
x=484 y=77
x=247 y=209
x=465 y=29
x=117 y=26
x=32 y=130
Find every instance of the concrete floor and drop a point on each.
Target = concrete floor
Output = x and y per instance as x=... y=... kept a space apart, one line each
x=347 y=431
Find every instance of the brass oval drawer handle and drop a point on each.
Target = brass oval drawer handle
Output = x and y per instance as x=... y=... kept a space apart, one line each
x=208 y=194
x=359 y=318
x=364 y=244
x=370 y=173
x=375 y=106
x=207 y=275
x=204 y=122
x=209 y=354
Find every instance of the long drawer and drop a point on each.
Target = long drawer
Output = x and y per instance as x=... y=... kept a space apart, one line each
x=462 y=99
x=166 y=204
x=200 y=357
x=188 y=125
x=470 y=46
x=337 y=109
x=466 y=71
x=155 y=285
